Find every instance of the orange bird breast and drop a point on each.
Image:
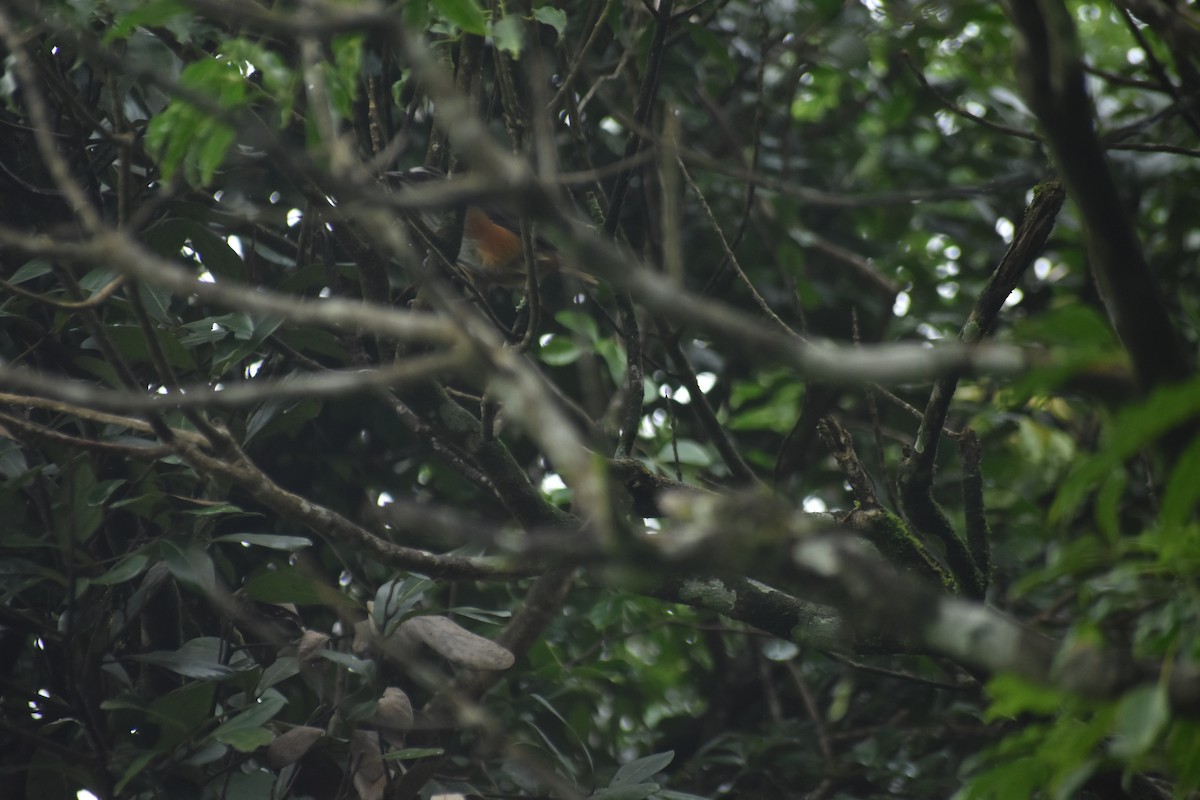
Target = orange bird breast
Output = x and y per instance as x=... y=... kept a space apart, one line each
x=496 y=249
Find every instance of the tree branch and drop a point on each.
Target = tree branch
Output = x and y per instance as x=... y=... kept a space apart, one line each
x=1051 y=76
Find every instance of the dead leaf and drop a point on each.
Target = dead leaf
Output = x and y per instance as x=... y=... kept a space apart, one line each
x=290 y=746
x=370 y=777
x=309 y=644
x=455 y=643
x=393 y=716
x=394 y=710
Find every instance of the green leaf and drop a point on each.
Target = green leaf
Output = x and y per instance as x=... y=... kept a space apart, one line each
x=130 y=342
x=554 y=17
x=102 y=491
x=315 y=341
x=210 y=151
x=566 y=727
x=215 y=253
x=79 y=517
x=168 y=238
x=580 y=323
x=1142 y=716
x=241 y=325
x=291 y=585
x=271 y=541
x=1183 y=742
x=274 y=418
x=359 y=666
x=637 y=770
x=202 y=331
x=691 y=453
x=636 y=791
x=47 y=775
x=1013 y=696
x=126 y=569
x=715 y=47
x=558 y=351
x=466 y=14
x=244 y=732
x=1182 y=490
x=396 y=598
x=284 y=667
x=410 y=753
x=508 y=33
x=181 y=713
x=416 y=14
x=217 y=509
x=279 y=80
x=1075 y=325
x=98 y=367
x=263 y=327
x=97 y=279
x=487 y=615
x=13 y=463
x=1132 y=429
x=346 y=72
x=198 y=658
x=1067 y=784
x=34 y=268
x=1108 y=505
x=152 y=14
x=184 y=135
x=157 y=302
x=134 y=768
x=255 y=785
x=246 y=740
x=778 y=417
x=190 y=565
x=615 y=358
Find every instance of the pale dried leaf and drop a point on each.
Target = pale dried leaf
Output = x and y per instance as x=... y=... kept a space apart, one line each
x=290 y=746
x=394 y=710
x=310 y=644
x=370 y=777
x=455 y=643
x=364 y=639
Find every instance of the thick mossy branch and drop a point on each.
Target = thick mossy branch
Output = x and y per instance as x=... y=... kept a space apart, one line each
x=644 y=486
x=927 y=517
x=887 y=532
x=900 y=546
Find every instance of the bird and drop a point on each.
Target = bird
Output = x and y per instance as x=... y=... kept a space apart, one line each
x=491 y=241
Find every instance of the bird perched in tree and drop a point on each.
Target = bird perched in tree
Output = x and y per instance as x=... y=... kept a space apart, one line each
x=491 y=241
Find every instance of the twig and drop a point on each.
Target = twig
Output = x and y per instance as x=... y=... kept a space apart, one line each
x=600 y=23
x=730 y=257
x=959 y=110
x=327 y=384
x=35 y=104
x=814 y=713
x=97 y=298
x=137 y=262
x=904 y=676
x=704 y=412
x=630 y=330
x=839 y=442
